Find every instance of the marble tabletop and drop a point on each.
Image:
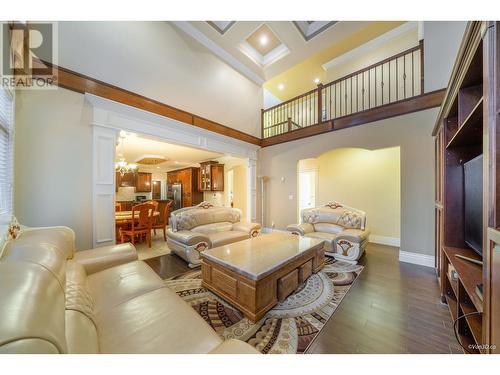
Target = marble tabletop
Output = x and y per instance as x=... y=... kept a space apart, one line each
x=258 y=257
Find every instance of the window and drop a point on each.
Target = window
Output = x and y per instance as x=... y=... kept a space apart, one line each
x=6 y=153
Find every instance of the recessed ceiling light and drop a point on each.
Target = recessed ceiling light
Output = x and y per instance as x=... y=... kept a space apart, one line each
x=316 y=80
x=263 y=39
x=176 y=162
x=281 y=86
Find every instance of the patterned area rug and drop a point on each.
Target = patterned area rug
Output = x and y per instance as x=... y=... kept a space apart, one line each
x=290 y=326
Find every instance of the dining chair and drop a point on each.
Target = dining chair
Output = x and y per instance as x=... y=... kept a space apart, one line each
x=141 y=225
x=154 y=203
x=118 y=207
x=161 y=221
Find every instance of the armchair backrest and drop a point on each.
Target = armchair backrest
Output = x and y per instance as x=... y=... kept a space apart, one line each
x=335 y=213
x=203 y=214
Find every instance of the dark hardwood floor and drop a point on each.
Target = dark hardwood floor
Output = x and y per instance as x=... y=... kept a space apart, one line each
x=393 y=307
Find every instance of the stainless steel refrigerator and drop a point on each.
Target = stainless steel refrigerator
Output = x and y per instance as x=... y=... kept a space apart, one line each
x=175 y=193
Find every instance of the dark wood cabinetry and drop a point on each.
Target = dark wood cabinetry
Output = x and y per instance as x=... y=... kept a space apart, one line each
x=467 y=127
x=141 y=181
x=217 y=177
x=188 y=178
x=211 y=176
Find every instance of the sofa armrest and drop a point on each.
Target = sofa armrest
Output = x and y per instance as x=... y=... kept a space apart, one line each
x=101 y=258
x=355 y=235
x=233 y=346
x=247 y=227
x=300 y=229
x=187 y=237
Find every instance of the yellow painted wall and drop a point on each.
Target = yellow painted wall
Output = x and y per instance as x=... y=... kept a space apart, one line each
x=300 y=78
x=365 y=179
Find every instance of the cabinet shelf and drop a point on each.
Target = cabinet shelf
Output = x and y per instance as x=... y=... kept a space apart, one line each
x=452 y=305
x=471 y=130
x=475 y=322
x=470 y=274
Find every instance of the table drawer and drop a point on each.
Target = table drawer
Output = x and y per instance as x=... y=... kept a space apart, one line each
x=305 y=271
x=287 y=284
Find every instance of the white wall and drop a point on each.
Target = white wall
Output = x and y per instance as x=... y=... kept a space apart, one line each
x=157 y=60
x=52 y=161
x=441 y=43
x=269 y=99
x=412 y=133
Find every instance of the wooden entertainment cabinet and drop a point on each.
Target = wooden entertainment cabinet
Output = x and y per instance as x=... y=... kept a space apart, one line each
x=468 y=126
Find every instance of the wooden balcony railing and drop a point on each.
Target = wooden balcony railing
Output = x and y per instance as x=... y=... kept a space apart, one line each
x=394 y=79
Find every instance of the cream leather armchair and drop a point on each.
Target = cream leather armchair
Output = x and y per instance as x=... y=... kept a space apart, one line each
x=195 y=229
x=342 y=228
x=104 y=300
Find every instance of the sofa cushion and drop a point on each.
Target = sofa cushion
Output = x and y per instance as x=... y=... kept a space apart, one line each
x=187 y=219
x=347 y=217
x=78 y=296
x=119 y=284
x=328 y=228
x=155 y=322
x=81 y=333
x=31 y=309
x=224 y=238
x=44 y=254
x=329 y=238
x=214 y=228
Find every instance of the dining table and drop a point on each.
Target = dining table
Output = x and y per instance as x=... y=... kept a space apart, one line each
x=126 y=216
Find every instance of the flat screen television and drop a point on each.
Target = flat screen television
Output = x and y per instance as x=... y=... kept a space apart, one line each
x=473 y=193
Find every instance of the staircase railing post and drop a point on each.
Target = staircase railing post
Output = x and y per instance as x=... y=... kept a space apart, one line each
x=262 y=123
x=320 y=103
x=289 y=124
x=421 y=45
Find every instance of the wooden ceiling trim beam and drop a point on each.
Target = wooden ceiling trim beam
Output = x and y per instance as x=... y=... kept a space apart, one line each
x=84 y=84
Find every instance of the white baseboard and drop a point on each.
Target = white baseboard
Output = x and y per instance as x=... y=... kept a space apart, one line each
x=415 y=258
x=383 y=240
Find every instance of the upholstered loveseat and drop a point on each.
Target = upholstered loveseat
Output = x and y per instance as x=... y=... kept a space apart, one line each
x=342 y=228
x=104 y=300
x=195 y=229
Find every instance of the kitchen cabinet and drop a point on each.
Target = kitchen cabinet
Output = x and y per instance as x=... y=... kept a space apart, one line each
x=211 y=176
x=188 y=178
x=143 y=182
x=217 y=171
x=127 y=180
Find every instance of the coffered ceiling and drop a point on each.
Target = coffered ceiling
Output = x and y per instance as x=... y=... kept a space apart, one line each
x=263 y=49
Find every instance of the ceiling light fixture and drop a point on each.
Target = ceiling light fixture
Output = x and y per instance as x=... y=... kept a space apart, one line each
x=263 y=39
x=281 y=87
x=121 y=165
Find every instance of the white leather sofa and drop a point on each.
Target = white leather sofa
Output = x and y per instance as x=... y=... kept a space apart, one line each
x=195 y=229
x=56 y=300
x=343 y=228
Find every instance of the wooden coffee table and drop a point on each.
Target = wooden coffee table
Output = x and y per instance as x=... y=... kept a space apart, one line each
x=255 y=274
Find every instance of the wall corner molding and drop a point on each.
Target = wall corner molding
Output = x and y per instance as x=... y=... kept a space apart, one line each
x=416 y=258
